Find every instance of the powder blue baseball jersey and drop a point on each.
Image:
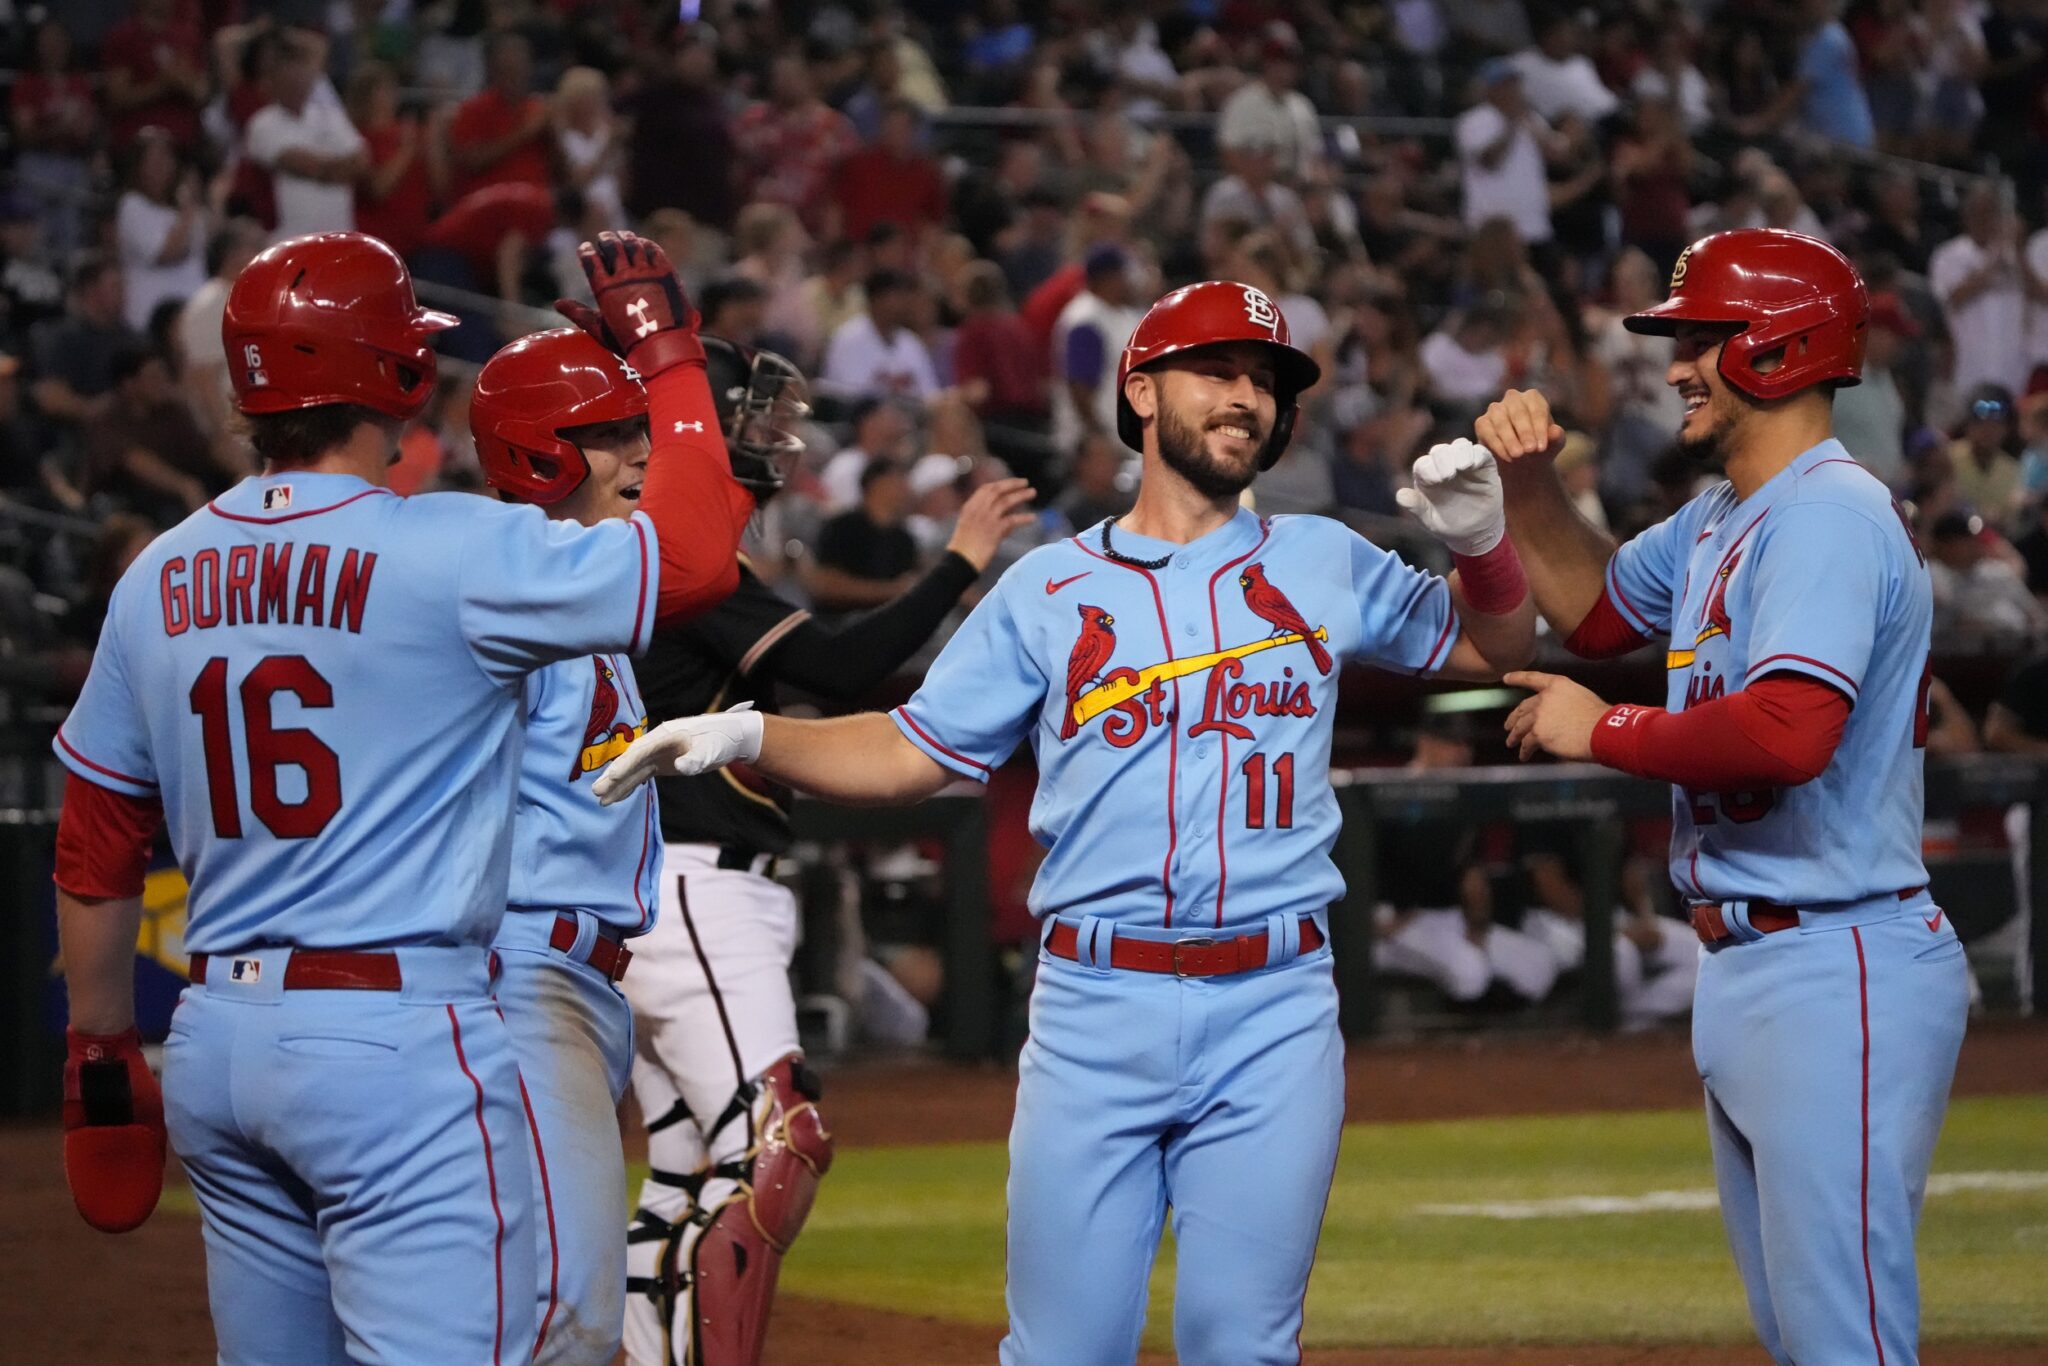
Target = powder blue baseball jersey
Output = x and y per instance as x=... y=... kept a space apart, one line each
x=1815 y=573
x=569 y=852
x=323 y=681
x=1180 y=716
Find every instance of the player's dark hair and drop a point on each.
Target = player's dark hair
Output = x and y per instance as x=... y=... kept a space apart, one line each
x=303 y=436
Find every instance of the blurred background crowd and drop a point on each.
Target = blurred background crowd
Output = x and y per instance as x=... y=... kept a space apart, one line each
x=951 y=213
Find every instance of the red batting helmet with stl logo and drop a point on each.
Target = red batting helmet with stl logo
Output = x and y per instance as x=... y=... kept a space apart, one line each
x=1207 y=314
x=329 y=318
x=533 y=391
x=1783 y=290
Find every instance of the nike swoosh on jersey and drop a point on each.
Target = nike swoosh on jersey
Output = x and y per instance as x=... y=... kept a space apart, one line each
x=1052 y=587
x=1935 y=923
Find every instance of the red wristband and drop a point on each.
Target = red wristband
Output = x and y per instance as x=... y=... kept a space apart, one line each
x=1494 y=582
x=1617 y=737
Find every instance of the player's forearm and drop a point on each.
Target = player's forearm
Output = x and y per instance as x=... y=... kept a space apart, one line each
x=858 y=760
x=96 y=940
x=1504 y=641
x=843 y=662
x=698 y=511
x=1564 y=555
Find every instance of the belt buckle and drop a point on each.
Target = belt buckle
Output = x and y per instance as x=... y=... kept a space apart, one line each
x=1197 y=942
x=619 y=964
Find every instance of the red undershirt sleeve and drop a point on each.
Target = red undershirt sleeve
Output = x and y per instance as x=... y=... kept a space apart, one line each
x=698 y=510
x=103 y=840
x=1780 y=731
x=1604 y=633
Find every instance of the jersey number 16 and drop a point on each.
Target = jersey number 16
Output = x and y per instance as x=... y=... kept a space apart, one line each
x=269 y=748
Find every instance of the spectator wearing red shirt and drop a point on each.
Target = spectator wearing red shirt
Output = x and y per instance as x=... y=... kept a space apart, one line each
x=791 y=143
x=56 y=125
x=891 y=181
x=1104 y=220
x=1001 y=372
x=393 y=197
x=155 y=65
x=491 y=229
x=501 y=135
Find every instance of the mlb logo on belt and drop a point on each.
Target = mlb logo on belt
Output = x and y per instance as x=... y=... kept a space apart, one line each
x=248 y=970
x=277 y=499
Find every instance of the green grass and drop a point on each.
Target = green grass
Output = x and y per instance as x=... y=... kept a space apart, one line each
x=920 y=1229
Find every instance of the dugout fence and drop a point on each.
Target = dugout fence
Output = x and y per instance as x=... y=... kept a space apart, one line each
x=1977 y=888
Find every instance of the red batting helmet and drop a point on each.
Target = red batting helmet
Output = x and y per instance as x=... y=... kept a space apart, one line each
x=329 y=318
x=1784 y=289
x=1206 y=314
x=533 y=390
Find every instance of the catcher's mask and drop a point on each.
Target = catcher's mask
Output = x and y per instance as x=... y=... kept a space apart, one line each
x=762 y=400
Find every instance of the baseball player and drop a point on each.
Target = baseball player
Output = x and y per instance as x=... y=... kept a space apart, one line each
x=561 y=423
x=1175 y=673
x=1832 y=991
x=319 y=684
x=735 y=1141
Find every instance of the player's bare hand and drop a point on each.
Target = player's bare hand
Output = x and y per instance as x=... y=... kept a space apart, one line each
x=684 y=747
x=1457 y=496
x=1557 y=718
x=990 y=513
x=1518 y=426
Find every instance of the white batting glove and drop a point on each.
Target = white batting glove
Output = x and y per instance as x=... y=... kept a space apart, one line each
x=686 y=746
x=1457 y=496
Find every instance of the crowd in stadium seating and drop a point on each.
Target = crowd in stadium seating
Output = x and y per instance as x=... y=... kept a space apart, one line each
x=952 y=217
x=952 y=214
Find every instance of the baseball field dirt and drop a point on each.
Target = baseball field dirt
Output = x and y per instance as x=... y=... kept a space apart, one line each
x=77 y=1297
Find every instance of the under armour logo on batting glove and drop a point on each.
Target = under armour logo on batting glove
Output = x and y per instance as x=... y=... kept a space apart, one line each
x=642 y=314
x=114 y=1141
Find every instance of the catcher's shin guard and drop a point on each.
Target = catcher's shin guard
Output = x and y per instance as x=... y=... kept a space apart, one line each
x=713 y=1275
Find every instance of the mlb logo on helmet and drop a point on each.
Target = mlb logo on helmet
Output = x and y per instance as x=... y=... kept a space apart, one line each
x=246 y=970
x=277 y=499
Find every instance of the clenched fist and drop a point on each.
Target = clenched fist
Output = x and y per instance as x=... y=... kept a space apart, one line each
x=1457 y=496
x=642 y=314
x=1519 y=426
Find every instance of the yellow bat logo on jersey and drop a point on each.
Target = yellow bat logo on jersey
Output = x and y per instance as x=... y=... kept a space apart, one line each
x=595 y=757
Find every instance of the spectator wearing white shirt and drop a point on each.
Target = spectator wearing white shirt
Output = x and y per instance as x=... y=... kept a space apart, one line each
x=877 y=352
x=1087 y=341
x=304 y=138
x=1502 y=145
x=205 y=371
x=882 y=430
x=1251 y=196
x=161 y=224
x=1143 y=67
x=1870 y=416
x=1557 y=76
x=1672 y=76
x=1464 y=362
x=2035 y=262
x=1270 y=112
x=587 y=137
x=1979 y=280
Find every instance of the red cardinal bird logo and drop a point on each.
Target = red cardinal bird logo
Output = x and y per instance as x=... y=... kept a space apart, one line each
x=1716 y=614
x=1271 y=605
x=604 y=735
x=1092 y=649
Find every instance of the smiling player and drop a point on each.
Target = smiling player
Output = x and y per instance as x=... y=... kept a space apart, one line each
x=1169 y=671
x=1832 y=995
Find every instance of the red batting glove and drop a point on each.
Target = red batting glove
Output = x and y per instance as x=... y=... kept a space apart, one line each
x=114 y=1141
x=642 y=314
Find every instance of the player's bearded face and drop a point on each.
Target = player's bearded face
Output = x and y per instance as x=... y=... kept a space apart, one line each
x=1712 y=407
x=1212 y=428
